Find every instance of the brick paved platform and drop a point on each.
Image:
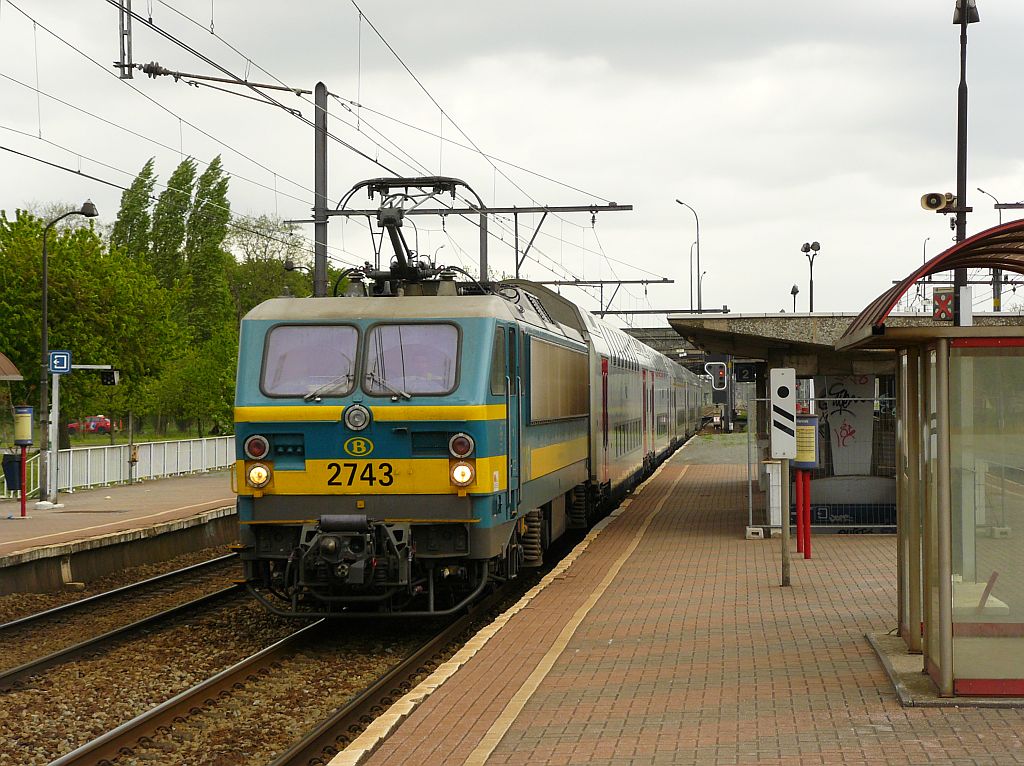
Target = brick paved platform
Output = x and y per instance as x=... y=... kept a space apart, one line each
x=685 y=650
x=107 y=510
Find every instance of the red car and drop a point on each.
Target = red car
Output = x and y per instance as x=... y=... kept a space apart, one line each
x=97 y=424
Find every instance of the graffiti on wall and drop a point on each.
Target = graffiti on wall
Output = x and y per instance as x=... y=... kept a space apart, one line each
x=845 y=405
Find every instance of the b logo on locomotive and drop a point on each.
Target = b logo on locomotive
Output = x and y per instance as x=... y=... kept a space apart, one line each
x=358 y=446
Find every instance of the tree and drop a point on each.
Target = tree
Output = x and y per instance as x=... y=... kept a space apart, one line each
x=132 y=231
x=103 y=306
x=199 y=386
x=261 y=245
x=169 y=218
x=206 y=295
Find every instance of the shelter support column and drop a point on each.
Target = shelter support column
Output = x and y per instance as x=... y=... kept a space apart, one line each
x=944 y=521
x=911 y=585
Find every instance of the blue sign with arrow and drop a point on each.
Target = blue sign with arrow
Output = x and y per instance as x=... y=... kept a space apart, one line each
x=60 y=362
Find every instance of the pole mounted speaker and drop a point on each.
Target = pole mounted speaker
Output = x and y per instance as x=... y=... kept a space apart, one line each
x=939 y=202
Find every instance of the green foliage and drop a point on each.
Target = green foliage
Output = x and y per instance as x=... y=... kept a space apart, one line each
x=199 y=385
x=261 y=245
x=169 y=217
x=133 y=229
x=103 y=306
x=206 y=296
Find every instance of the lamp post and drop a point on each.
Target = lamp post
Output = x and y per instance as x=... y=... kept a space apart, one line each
x=700 y=303
x=700 y=282
x=810 y=249
x=691 y=274
x=794 y=292
x=89 y=211
x=997 y=274
x=965 y=12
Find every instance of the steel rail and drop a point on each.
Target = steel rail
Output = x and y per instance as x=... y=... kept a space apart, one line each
x=110 y=745
x=99 y=597
x=357 y=713
x=9 y=678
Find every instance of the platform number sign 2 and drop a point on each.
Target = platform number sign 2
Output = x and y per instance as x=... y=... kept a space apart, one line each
x=782 y=414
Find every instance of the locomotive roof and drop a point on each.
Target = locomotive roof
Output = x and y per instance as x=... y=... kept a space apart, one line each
x=406 y=307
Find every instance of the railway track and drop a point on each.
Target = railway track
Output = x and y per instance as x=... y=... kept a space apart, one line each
x=45 y=639
x=169 y=732
x=340 y=728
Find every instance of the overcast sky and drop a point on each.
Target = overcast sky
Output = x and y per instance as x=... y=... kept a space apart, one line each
x=779 y=123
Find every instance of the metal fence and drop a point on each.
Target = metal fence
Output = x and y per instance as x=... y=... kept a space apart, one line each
x=83 y=467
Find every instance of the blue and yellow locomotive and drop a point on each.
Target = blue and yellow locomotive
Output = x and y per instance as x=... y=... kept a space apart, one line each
x=396 y=454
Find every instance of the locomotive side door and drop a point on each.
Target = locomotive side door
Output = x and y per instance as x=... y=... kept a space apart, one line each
x=513 y=416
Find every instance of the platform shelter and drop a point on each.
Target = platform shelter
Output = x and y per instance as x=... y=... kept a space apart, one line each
x=960 y=477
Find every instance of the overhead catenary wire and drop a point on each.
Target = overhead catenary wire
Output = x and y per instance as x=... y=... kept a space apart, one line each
x=267 y=99
x=232 y=222
x=419 y=83
x=153 y=101
x=224 y=70
x=361 y=106
x=141 y=136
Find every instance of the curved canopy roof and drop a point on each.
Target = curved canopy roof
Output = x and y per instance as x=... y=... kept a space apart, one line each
x=1001 y=247
x=7 y=369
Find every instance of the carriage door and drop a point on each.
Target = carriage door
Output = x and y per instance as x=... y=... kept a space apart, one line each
x=643 y=419
x=513 y=417
x=604 y=419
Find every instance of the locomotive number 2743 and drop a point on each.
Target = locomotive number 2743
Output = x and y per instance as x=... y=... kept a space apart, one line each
x=351 y=474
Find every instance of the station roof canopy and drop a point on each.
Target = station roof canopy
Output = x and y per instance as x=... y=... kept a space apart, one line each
x=1001 y=247
x=7 y=369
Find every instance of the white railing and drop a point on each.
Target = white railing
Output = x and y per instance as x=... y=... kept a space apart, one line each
x=82 y=467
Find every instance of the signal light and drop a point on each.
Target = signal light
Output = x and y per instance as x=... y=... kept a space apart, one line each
x=256 y=447
x=460 y=445
x=110 y=377
x=718 y=373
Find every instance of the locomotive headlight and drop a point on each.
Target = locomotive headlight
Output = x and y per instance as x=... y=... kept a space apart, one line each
x=258 y=475
x=357 y=417
x=329 y=545
x=461 y=445
x=463 y=474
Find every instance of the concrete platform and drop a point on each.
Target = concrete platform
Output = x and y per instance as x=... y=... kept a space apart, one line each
x=101 y=530
x=668 y=640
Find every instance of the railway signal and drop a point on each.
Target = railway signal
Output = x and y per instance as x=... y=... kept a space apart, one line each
x=719 y=378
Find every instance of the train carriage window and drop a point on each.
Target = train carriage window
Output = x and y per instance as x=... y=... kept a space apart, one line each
x=559 y=382
x=299 y=360
x=405 y=359
x=498 y=362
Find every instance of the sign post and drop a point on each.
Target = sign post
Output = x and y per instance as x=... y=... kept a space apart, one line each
x=782 y=418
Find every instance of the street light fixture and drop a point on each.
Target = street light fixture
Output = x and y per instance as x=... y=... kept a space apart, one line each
x=998 y=203
x=810 y=249
x=700 y=282
x=794 y=292
x=89 y=211
x=700 y=303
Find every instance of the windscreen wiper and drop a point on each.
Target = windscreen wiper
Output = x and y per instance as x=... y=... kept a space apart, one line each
x=375 y=378
x=320 y=391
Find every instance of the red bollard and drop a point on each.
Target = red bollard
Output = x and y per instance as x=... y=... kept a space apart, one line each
x=24 y=485
x=807 y=513
x=799 y=482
